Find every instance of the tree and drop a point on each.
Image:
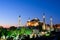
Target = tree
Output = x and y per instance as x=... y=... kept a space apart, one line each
x=13 y=28
x=1 y=28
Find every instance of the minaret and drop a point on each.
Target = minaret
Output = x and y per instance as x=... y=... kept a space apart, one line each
x=51 y=21
x=19 y=20
x=43 y=27
x=51 y=24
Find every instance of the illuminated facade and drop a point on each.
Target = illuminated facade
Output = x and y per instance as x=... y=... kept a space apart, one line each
x=47 y=27
x=33 y=22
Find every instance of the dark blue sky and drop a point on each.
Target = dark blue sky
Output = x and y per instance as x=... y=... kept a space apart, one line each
x=11 y=9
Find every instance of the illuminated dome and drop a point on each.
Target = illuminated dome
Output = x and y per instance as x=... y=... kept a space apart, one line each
x=33 y=22
x=35 y=19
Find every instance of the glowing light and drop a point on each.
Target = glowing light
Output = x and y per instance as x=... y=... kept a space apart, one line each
x=28 y=24
x=36 y=24
x=47 y=34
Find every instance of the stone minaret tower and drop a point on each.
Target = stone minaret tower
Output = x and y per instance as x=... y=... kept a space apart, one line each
x=51 y=24
x=43 y=27
x=19 y=20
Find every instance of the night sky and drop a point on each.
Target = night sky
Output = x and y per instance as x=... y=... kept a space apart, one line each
x=11 y=9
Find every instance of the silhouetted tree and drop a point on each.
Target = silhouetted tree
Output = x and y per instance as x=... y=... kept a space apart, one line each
x=13 y=28
x=1 y=28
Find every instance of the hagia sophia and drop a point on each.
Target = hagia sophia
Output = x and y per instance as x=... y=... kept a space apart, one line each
x=36 y=22
x=33 y=27
x=33 y=22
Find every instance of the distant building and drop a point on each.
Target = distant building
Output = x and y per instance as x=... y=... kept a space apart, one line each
x=57 y=26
